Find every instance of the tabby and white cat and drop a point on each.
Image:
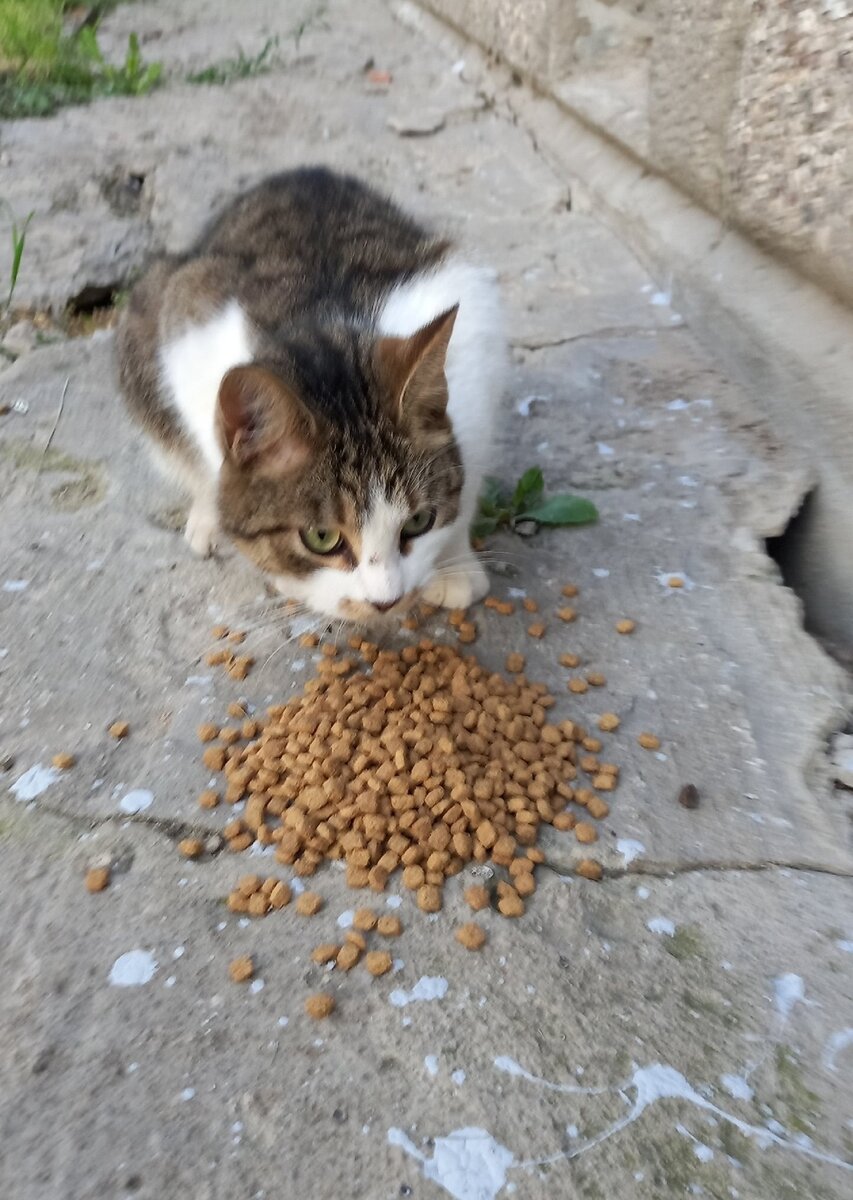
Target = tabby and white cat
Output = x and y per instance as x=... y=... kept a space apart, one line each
x=323 y=375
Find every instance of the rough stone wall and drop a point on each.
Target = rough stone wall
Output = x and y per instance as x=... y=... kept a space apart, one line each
x=750 y=103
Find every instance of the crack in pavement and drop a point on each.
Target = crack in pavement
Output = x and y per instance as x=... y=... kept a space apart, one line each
x=172 y=827
x=609 y=331
x=663 y=870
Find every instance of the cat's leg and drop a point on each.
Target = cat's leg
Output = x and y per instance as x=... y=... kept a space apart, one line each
x=202 y=524
x=460 y=578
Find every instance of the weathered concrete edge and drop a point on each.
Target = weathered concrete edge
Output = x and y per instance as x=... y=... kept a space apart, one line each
x=783 y=338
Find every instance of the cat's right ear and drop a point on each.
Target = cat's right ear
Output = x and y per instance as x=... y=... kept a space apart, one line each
x=262 y=424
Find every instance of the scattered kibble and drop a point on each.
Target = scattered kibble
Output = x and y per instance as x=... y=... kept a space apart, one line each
x=569 y=660
x=467 y=632
x=578 y=686
x=191 y=847
x=536 y=630
x=566 y=614
x=569 y=590
x=309 y=904
x=242 y=969
x=325 y=953
x=626 y=626
x=530 y=605
x=586 y=832
x=64 y=762
x=97 y=878
x=596 y=679
x=515 y=663
x=348 y=955
x=208 y=799
x=219 y=631
x=589 y=869
x=471 y=936
x=477 y=897
x=119 y=730
x=364 y=919
x=320 y=1006
x=649 y=741
x=389 y=926
x=207 y=732
x=675 y=581
x=608 y=722
x=378 y=962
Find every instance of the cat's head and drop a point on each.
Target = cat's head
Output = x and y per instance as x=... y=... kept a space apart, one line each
x=341 y=476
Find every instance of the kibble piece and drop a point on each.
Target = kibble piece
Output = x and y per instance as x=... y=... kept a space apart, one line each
x=219 y=631
x=511 y=904
x=281 y=895
x=578 y=686
x=569 y=590
x=626 y=626
x=241 y=666
x=605 y=782
x=348 y=955
x=241 y=842
x=566 y=614
x=214 y=758
x=594 y=745
x=564 y=821
x=675 y=581
x=97 y=878
x=597 y=808
x=237 y=637
x=525 y=884
x=589 y=868
x=569 y=660
x=429 y=898
x=191 y=847
x=378 y=962
x=319 y=1006
x=324 y=953
x=236 y=709
x=241 y=969
x=505 y=607
x=389 y=926
x=467 y=632
x=649 y=741
x=413 y=877
x=63 y=762
x=119 y=730
x=477 y=897
x=530 y=605
x=688 y=797
x=247 y=885
x=208 y=732
x=596 y=679
x=309 y=904
x=536 y=630
x=364 y=919
x=208 y=799
x=515 y=663
x=237 y=902
x=471 y=936
x=608 y=722
x=217 y=657
x=309 y=641
x=535 y=854
x=259 y=904
x=585 y=832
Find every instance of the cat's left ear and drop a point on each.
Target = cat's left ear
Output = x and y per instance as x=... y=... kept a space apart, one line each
x=412 y=369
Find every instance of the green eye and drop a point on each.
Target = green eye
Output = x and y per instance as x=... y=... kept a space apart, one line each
x=419 y=523
x=321 y=541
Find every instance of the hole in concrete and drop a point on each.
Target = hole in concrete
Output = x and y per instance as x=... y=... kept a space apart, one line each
x=93 y=297
x=793 y=554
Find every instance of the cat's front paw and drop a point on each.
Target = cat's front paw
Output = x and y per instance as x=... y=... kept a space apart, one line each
x=461 y=587
x=201 y=529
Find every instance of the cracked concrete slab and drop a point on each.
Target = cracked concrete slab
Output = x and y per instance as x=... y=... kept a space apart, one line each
x=641 y=1036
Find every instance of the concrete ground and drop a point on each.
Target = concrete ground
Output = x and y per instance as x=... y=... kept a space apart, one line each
x=684 y=1027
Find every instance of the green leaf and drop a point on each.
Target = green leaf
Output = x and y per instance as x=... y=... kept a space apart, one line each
x=492 y=495
x=562 y=510
x=482 y=526
x=528 y=490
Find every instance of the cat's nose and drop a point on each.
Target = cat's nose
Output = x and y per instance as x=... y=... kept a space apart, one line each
x=384 y=606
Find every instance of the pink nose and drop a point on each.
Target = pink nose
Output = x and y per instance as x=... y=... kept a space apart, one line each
x=384 y=606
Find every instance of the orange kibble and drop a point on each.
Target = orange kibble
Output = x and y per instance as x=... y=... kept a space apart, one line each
x=536 y=630
x=429 y=898
x=309 y=904
x=378 y=962
x=63 y=762
x=219 y=631
x=208 y=799
x=578 y=686
x=530 y=605
x=569 y=660
x=589 y=869
x=675 y=581
x=596 y=679
x=471 y=936
x=569 y=590
x=476 y=897
x=585 y=832
x=191 y=847
x=281 y=895
x=649 y=741
x=326 y=952
x=515 y=663
x=208 y=732
x=467 y=632
x=348 y=955
x=608 y=722
x=259 y=904
x=364 y=919
x=566 y=614
x=119 y=730
x=626 y=626
x=241 y=969
x=97 y=878
x=511 y=904
x=389 y=926
x=320 y=1006
x=309 y=641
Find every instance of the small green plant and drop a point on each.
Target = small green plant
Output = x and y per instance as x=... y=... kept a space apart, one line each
x=244 y=66
x=44 y=66
x=18 y=234
x=527 y=505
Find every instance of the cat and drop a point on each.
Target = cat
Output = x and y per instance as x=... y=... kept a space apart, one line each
x=323 y=375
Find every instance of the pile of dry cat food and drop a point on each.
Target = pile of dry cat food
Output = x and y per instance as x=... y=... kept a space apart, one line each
x=416 y=760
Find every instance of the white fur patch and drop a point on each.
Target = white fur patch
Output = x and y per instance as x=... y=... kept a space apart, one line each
x=193 y=365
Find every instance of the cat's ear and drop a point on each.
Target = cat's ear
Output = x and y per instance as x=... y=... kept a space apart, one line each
x=412 y=370
x=262 y=423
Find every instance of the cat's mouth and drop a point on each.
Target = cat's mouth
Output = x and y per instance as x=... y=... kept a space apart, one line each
x=366 y=613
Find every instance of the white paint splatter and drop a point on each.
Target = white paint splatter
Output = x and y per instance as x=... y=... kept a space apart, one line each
x=16 y=585
x=844 y=945
x=661 y=299
x=703 y=1153
x=661 y=925
x=458 y=1077
x=687 y=481
x=788 y=990
x=431 y=1065
x=197 y=680
x=525 y=404
x=33 y=782
x=283 y=1021
x=678 y=405
x=394 y=901
x=630 y=849
x=136 y=801
x=179 y=952
x=468 y=1163
x=346 y=919
x=600 y=572
x=631 y=517
x=133 y=969
x=643 y=893
x=257 y=985
x=834 y=1045
x=510 y=1067
x=604 y=450
x=736 y=1086
x=428 y=987
x=187 y=1094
